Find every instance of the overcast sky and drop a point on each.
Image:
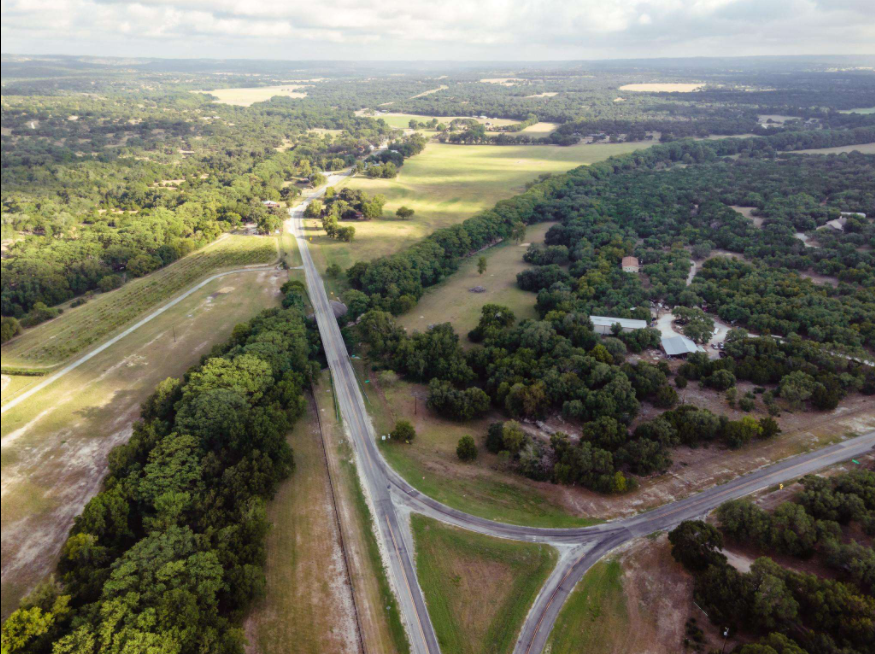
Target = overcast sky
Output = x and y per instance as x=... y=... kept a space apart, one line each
x=438 y=29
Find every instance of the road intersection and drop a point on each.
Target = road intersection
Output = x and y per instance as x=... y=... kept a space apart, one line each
x=393 y=499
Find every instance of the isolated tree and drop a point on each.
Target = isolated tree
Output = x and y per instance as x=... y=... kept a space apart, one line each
x=513 y=438
x=333 y=270
x=403 y=431
x=404 y=213
x=481 y=265
x=466 y=450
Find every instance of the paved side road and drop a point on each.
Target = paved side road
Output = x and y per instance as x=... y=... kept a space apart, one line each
x=580 y=548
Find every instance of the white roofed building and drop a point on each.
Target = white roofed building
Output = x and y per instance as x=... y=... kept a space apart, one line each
x=602 y=324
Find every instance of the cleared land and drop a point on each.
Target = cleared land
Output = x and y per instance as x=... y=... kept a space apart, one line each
x=489 y=489
x=867 y=110
x=245 y=97
x=377 y=607
x=540 y=129
x=638 y=600
x=54 y=342
x=478 y=589
x=864 y=148
x=308 y=606
x=402 y=121
x=453 y=301
x=55 y=444
x=444 y=185
x=484 y=488
x=661 y=88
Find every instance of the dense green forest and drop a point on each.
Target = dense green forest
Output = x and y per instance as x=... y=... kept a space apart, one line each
x=666 y=205
x=828 y=524
x=97 y=189
x=168 y=556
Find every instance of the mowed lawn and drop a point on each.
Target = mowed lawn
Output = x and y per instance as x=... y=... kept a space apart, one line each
x=595 y=615
x=444 y=185
x=76 y=329
x=454 y=302
x=478 y=589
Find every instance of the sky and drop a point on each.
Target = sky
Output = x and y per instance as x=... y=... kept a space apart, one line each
x=529 y=30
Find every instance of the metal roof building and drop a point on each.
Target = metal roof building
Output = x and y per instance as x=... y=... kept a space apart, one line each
x=602 y=324
x=679 y=346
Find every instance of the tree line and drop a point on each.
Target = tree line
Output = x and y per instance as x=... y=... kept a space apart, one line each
x=168 y=556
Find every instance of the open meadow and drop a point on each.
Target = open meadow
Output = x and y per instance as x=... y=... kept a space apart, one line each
x=478 y=589
x=453 y=301
x=55 y=443
x=245 y=97
x=53 y=342
x=863 y=148
x=444 y=185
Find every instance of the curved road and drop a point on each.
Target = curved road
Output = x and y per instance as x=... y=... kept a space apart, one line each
x=392 y=497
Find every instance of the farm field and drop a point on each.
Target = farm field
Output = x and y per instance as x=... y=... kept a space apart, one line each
x=444 y=185
x=478 y=589
x=53 y=342
x=308 y=605
x=452 y=301
x=245 y=97
x=866 y=110
x=55 y=444
x=864 y=148
x=540 y=129
x=661 y=87
x=402 y=121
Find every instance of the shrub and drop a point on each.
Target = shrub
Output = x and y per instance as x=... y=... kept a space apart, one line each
x=466 y=450
x=403 y=431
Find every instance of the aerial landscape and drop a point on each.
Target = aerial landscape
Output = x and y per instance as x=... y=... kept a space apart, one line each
x=410 y=328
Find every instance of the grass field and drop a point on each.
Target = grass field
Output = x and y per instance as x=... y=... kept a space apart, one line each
x=308 y=606
x=864 y=148
x=452 y=301
x=445 y=184
x=55 y=341
x=430 y=463
x=245 y=97
x=379 y=615
x=594 y=615
x=637 y=600
x=478 y=589
x=866 y=110
x=55 y=444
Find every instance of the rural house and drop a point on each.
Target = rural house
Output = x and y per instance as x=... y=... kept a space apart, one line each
x=630 y=264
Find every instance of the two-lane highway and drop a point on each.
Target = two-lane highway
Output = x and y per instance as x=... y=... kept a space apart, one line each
x=352 y=409
x=580 y=547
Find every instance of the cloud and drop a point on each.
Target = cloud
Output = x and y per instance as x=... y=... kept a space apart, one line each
x=424 y=29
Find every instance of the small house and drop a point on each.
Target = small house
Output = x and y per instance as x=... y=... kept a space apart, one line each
x=630 y=264
x=270 y=204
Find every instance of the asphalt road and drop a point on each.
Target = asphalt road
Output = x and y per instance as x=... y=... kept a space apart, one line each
x=580 y=548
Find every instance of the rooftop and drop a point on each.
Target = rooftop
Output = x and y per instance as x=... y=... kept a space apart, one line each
x=625 y=323
x=674 y=345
